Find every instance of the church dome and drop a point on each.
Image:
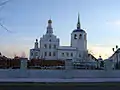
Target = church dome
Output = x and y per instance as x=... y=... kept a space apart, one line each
x=78 y=30
x=50 y=21
x=36 y=40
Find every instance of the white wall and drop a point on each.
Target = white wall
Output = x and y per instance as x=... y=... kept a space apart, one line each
x=49 y=40
x=116 y=57
x=65 y=51
x=34 y=53
x=80 y=43
x=7 y=73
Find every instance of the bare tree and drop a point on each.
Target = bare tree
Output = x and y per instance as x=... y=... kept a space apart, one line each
x=91 y=52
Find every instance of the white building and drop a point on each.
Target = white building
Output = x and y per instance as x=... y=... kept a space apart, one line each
x=115 y=58
x=48 y=48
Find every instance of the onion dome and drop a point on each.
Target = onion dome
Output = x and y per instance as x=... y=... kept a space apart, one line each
x=49 y=21
x=36 y=40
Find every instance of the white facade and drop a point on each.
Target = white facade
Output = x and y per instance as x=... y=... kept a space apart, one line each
x=66 y=52
x=48 y=47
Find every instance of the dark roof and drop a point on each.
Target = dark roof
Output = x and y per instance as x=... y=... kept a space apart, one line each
x=78 y=30
x=92 y=56
x=115 y=52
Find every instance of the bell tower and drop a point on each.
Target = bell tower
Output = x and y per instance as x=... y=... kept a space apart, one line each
x=78 y=38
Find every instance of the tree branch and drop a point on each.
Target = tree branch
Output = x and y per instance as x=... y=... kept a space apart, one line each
x=4 y=28
x=3 y=3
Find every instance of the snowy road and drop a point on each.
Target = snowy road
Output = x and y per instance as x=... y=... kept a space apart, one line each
x=60 y=80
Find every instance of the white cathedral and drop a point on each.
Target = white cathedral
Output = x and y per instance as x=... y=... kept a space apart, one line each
x=48 y=48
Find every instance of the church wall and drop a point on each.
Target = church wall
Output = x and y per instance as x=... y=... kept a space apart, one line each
x=79 y=41
x=66 y=54
x=34 y=53
x=48 y=47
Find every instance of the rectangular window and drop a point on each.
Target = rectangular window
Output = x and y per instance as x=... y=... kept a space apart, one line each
x=54 y=46
x=71 y=54
x=45 y=53
x=79 y=55
x=67 y=54
x=50 y=46
x=62 y=54
x=53 y=53
x=31 y=53
x=49 y=53
x=36 y=53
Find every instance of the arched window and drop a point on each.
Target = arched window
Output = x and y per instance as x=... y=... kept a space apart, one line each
x=71 y=54
x=45 y=46
x=75 y=36
x=80 y=36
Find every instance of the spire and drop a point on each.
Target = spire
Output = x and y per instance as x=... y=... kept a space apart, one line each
x=49 y=27
x=36 y=44
x=78 y=23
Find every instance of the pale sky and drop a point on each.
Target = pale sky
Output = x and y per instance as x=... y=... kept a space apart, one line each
x=27 y=20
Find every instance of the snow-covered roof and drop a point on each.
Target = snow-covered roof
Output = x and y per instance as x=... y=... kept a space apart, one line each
x=66 y=48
